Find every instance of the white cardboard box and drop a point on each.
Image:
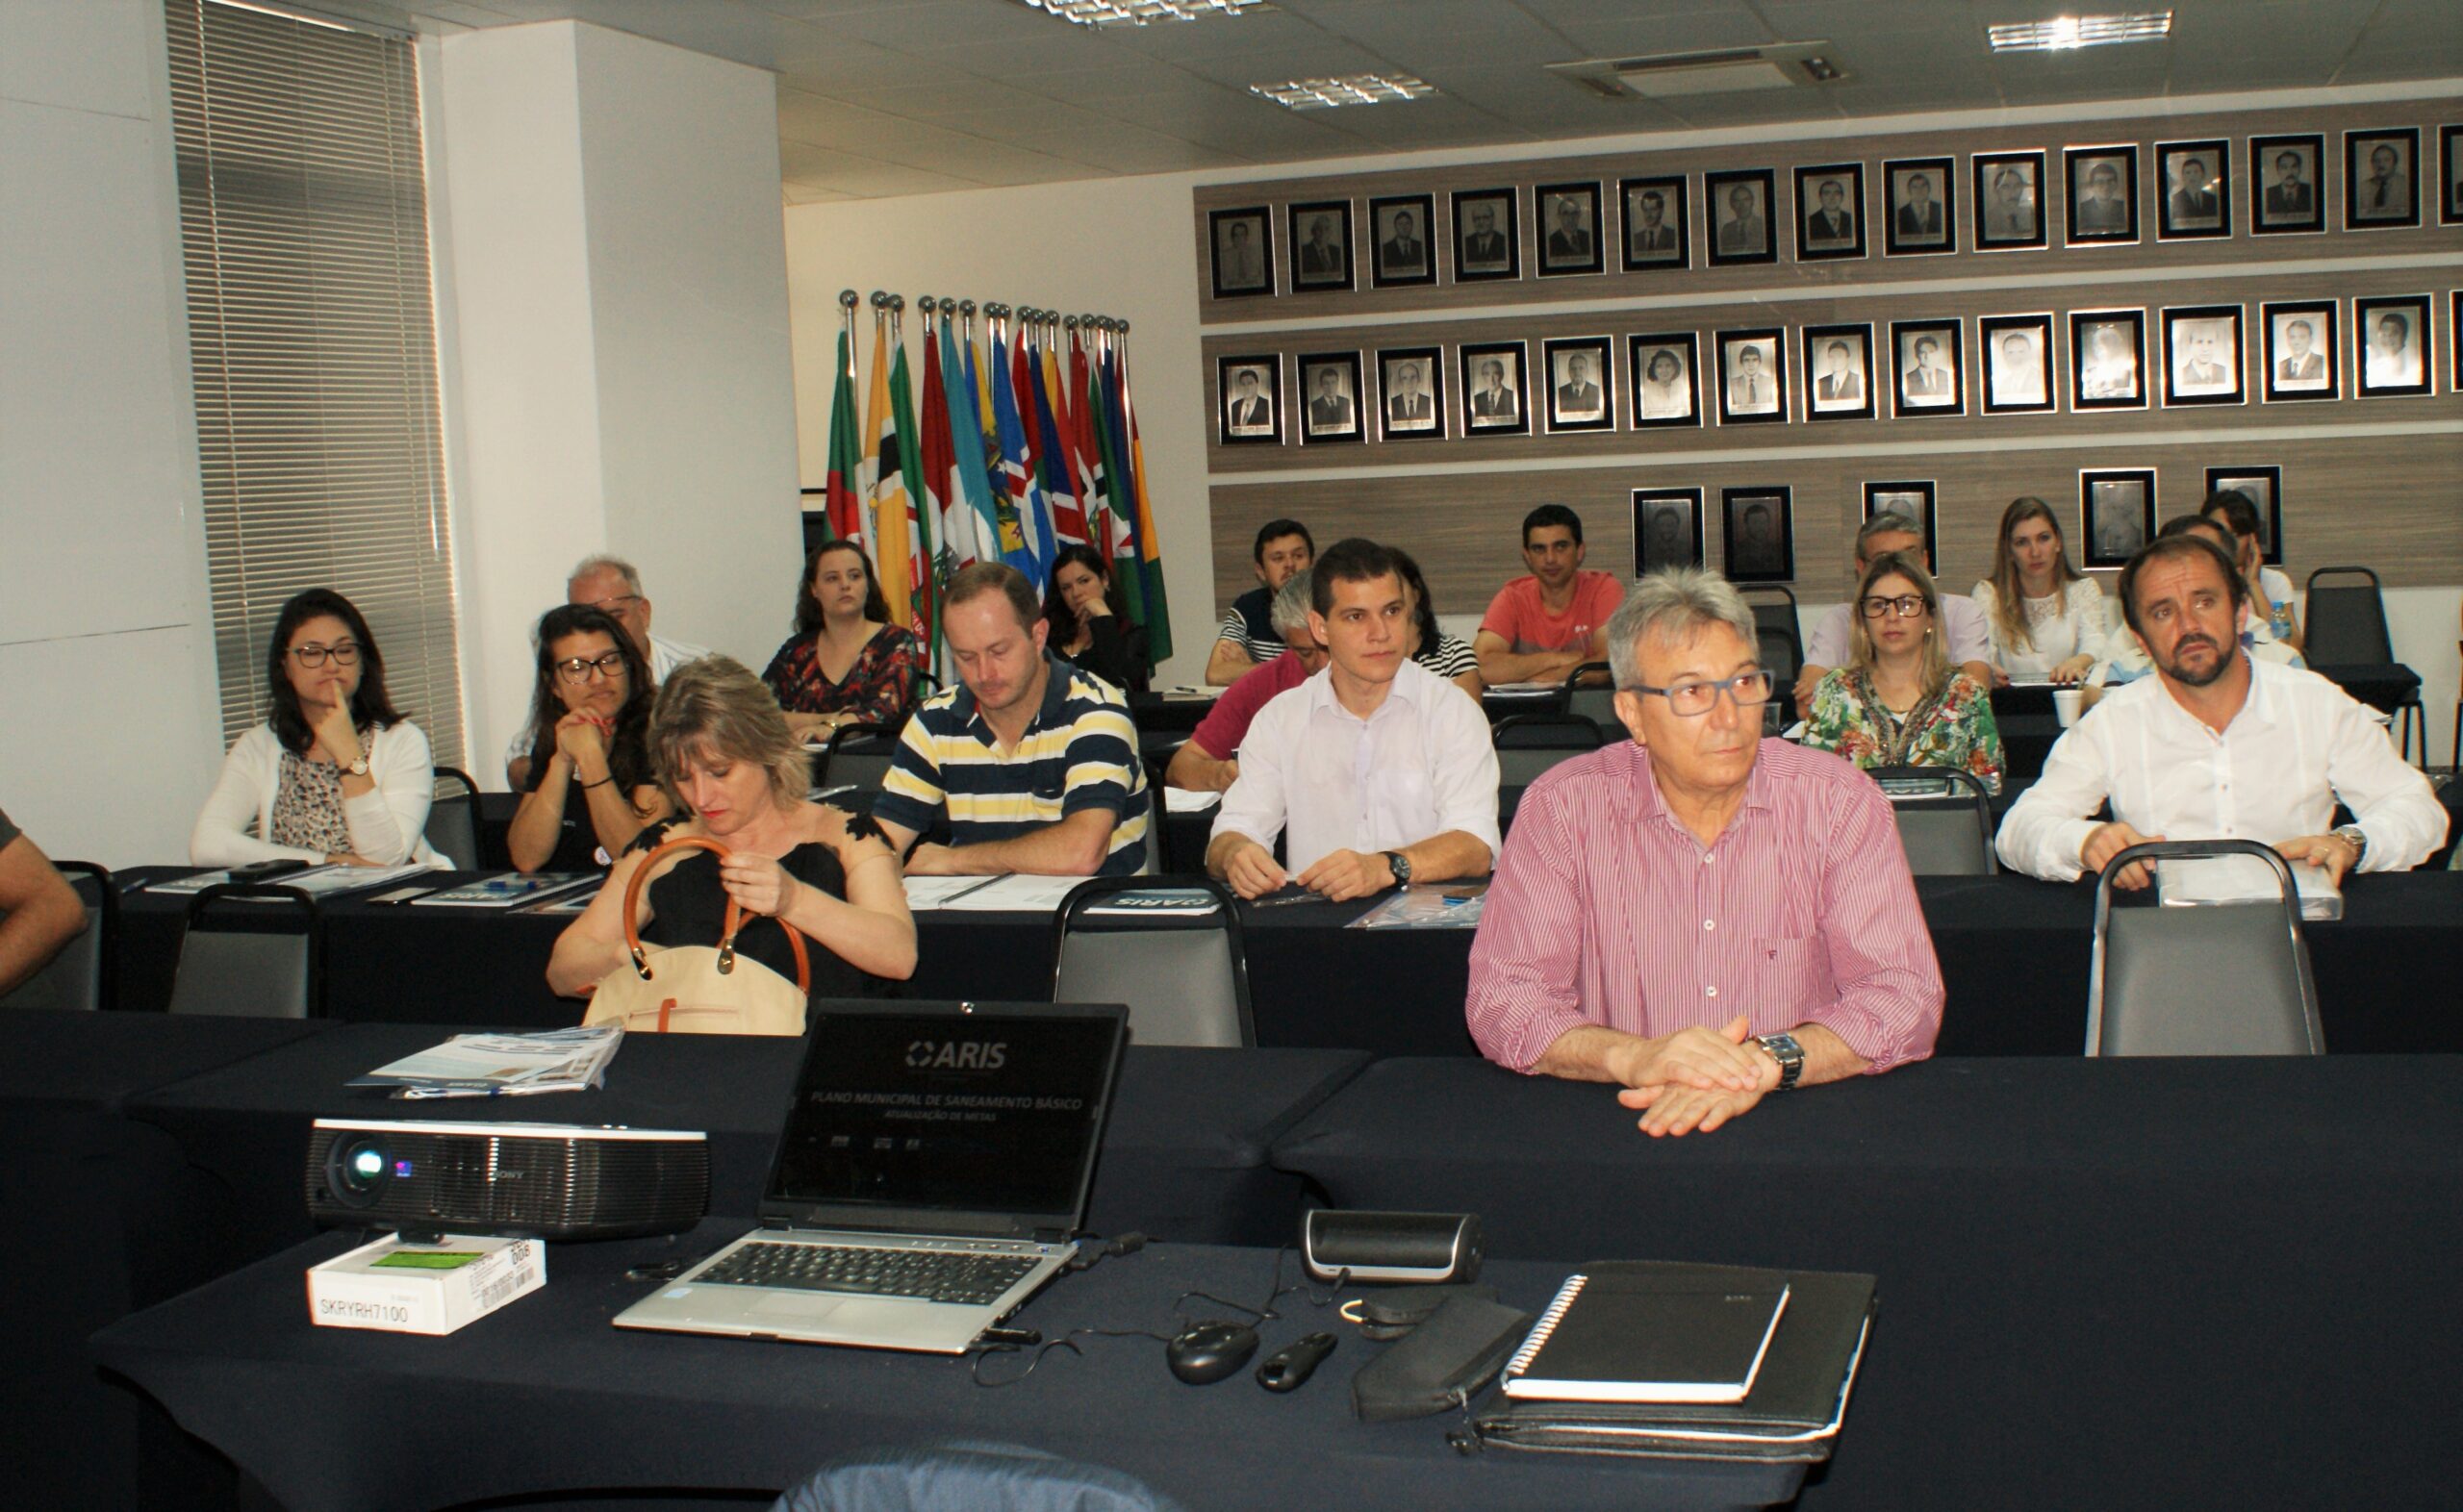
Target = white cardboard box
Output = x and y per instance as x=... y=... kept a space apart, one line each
x=401 y=1287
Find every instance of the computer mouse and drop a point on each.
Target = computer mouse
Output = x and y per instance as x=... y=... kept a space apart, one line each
x=1209 y=1351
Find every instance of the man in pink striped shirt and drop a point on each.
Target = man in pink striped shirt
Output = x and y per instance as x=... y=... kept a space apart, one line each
x=1701 y=916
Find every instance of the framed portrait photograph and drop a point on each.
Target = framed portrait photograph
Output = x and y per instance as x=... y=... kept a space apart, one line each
x=1830 y=211
x=1757 y=535
x=2203 y=355
x=1580 y=382
x=2286 y=179
x=2454 y=339
x=2015 y=351
x=2009 y=200
x=1320 y=243
x=2107 y=360
x=1665 y=379
x=1412 y=383
x=2103 y=195
x=1488 y=236
x=1839 y=372
x=2302 y=360
x=1243 y=244
x=2117 y=513
x=1753 y=377
x=2381 y=178
x=2262 y=487
x=1658 y=234
x=1569 y=223
x=1667 y=529
x=2391 y=337
x=1329 y=398
x=1921 y=198
x=1737 y=207
x=1492 y=385
x=1912 y=497
x=1249 y=400
x=2195 y=179
x=1929 y=367
x=1402 y=228
x=2450 y=173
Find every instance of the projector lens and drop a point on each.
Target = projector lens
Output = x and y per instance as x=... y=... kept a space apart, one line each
x=357 y=1171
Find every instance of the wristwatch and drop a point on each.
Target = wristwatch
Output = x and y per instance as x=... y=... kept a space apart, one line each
x=359 y=767
x=2358 y=838
x=1401 y=866
x=1789 y=1055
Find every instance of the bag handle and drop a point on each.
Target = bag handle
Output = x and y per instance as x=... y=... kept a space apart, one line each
x=734 y=919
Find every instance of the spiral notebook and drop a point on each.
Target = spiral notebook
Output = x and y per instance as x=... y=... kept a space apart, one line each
x=1649 y=1339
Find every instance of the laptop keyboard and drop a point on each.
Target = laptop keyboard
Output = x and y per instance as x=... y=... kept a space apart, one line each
x=925 y=1274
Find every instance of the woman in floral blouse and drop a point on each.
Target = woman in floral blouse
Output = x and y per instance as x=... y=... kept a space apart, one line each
x=1898 y=701
x=845 y=664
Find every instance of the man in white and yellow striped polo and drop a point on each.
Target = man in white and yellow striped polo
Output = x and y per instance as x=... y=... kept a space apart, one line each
x=1032 y=765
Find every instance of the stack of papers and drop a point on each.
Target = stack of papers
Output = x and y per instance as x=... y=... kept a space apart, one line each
x=498 y=1065
x=507 y=890
x=2203 y=881
x=1182 y=800
x=1002 y=894
x=314 y=881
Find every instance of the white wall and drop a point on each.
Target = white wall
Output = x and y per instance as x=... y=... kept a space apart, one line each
x=614 y=288
x=110 y=731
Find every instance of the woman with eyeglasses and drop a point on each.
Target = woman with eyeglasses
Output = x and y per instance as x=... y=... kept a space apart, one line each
x=846 y=664
x=2045 y=617
x=590 y=788
x=335 y=775
x=1898 y=701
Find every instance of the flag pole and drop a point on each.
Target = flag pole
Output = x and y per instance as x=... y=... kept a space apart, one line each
x=847 y=327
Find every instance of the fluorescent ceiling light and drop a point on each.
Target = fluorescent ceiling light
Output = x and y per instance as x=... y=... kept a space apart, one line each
x=1352 y=88
x=2065 y=32
x=1134 y=13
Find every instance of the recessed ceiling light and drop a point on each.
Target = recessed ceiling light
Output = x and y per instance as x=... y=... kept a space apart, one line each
x=1352 y=88
x=1134 y=13
x=2064 y=32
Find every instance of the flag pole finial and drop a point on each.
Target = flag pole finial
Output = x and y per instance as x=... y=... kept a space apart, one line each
x=928 y=304
x=847 y=300
x=881 y=301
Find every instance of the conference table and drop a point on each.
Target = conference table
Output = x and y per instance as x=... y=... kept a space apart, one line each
x=2015 y=956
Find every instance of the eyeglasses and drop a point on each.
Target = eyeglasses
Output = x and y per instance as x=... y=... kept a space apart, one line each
x=1693 y=700
x=580 y=669
x=1907 y=606
x=615 y=605
x=343 y=652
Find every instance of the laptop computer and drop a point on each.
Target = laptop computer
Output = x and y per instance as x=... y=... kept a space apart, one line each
x=933 y=1166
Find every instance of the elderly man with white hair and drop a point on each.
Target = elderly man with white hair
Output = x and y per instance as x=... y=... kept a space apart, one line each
x=1699 y=915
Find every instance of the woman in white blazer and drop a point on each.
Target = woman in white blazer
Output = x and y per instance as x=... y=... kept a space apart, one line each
x=334 y=774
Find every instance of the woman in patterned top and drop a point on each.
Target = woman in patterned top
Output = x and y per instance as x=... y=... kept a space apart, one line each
x=1448 y=656
x=846 y=664
x=2046 y=618
x=1089 y=620
x=1898 y=701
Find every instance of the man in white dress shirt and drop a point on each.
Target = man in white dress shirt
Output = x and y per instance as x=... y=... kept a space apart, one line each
x=2217 y=745
x=1376 y=771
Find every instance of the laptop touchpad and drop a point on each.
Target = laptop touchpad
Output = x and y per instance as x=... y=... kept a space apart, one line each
x=797 y=1304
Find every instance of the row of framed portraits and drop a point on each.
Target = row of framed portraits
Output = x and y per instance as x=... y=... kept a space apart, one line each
x=2008 y=208
x=2117 y=359
x=1757 y=533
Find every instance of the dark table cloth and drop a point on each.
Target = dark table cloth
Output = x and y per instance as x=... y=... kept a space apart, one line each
x=545 y=1397
x=2108 y=1283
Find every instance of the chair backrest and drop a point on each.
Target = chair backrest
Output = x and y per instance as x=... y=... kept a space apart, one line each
x=928 y=1478
x=2346 y=621
x=1945 y=819
x=453 y=822
x=79 y=976
x=1184 y=976
x=2218 y=980
x=857 y=756
x=1776 y=630
x=1590 y=692
x=250 y=972
x=1529 y=743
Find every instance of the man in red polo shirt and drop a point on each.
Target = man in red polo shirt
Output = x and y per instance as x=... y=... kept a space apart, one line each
x=1210 y=760
x=1539 y=628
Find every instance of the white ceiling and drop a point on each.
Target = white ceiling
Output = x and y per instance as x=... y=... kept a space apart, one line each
x=887 y=97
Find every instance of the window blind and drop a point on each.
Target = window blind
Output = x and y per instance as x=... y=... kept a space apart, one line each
x=312 y=337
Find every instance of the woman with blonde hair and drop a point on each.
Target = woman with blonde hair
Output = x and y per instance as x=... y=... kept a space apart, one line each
x=726 y=761
x=1898 y=701
x=2045 y=617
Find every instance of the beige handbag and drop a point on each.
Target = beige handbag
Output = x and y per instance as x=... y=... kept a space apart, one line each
x=698 y=989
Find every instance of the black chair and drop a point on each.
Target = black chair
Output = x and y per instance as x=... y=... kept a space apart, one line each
x=2346 y=639
x=80 y=976
x=1184 y=976
x=1590 y=692
x=2221 y=979
x=932 y=1476
x=1529 y=743
x=453 y=822
x=857 y=756
x=250 y=972
x=1778 y=637
x=1945 y=819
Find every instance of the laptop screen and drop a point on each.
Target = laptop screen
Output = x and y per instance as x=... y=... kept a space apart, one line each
x=938 y=1111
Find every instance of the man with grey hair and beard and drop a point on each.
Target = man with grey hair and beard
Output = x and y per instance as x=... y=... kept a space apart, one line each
x=1699 y=915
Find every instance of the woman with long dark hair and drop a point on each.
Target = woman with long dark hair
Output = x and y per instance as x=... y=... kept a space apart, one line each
x=846 y=664
x=1448 y=656
x=1089 y=620
x=591 y=789
x=335 y=774
x=2046 y=618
